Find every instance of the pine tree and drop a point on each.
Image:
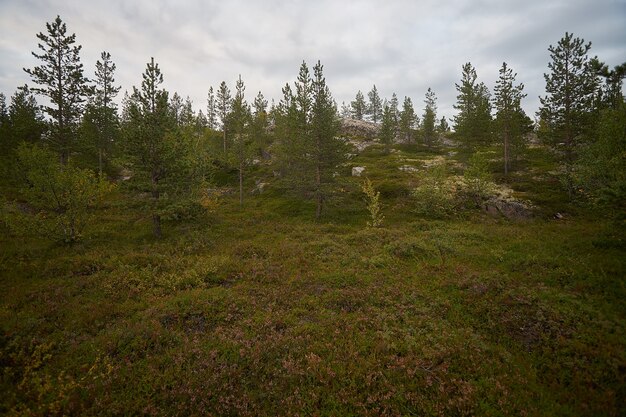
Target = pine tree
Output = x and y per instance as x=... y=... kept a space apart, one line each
x=239 y=121
x=443 y=126
x=407 y=119
x=61 y=80
x=429 y=118
x=187 y=115
x=393 y=107
x=211 y=110
x=260 y=123
x=359 y=107
x=308 y=150
x=375 y=105
x=507 y=101
x=24 y=119
x=346 y=111
x=100 y=121
x=224 y=105
x=566 y=108
x=176 y=108
x=387 y=131
x=472 y=125
x=328 y=150
x=147 y=120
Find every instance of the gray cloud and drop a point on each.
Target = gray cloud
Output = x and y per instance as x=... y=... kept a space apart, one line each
x=402 y=46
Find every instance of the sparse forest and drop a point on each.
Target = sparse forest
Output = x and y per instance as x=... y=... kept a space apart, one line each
x=306 y=258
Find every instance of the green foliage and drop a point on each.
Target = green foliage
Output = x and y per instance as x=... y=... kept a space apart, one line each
x=472 y=125
x=602 y=166
x=375 y=105
x=58 y=198
x=510 y=116
x=434 y=197
x=60 y=79
x=566 y=111
x=477 y=177
x=374 y=207
x=387 y=129
x=407 y=119
x=429 y=118
x=359 y=106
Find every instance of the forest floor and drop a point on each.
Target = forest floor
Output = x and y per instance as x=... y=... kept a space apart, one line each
x=261 y=310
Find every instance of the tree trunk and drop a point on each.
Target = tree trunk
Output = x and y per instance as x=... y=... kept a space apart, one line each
x=156 y=218
x=506 y=153
x=241 y=184
x=224 y=140
x=319 y=197
x=100 y=161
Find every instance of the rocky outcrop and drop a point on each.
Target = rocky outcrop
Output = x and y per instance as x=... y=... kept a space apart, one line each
x=352 y=128
x=509 y=208
x=357 y=171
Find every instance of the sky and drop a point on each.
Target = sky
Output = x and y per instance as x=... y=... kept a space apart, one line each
x=401 y=46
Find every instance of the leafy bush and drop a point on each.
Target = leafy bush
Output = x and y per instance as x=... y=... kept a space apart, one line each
x=477 y=177
x=435 y=194
x=372 y=199
x=56 y=198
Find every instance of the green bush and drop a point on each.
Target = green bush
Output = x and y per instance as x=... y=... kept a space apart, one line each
x=435 y=194
x=56 y=198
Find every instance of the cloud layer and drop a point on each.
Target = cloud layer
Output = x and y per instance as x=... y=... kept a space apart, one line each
x=402 y=46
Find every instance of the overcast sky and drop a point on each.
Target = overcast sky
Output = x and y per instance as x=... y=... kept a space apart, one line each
x=401 y=46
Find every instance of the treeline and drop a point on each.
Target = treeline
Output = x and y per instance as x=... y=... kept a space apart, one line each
x=63 y=157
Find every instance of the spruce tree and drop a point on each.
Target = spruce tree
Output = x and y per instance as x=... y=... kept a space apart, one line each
x=430 y=117
x=566 y=108
x=393 y=107
x=359 y=106
x=375 y=105
x=507 y=101
x=443 y=126
x=60 y=79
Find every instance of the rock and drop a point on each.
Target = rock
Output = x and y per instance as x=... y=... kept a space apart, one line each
x=360 y=145
x=359 y=128
x=357 y=171
x=259 y=188
x=511 y=209
x=408 y=168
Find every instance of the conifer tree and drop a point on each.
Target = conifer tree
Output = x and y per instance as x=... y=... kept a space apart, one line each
x=407 y=119
x=443 y=126
x=24 y=119
x=239 y=120
x=566 y=108
x=100 y=121
x=359 y=106
x=507 y=101
x=387 y=131
x=224 y=105
x=147 y=120
x=211 y=110
x=472 y=125
x=375 y=106
x=308 y=149
x=328 y=150
x=393 y=107
x=430 y=117
x=260 y=123
x=60 y=79
x=176 y=108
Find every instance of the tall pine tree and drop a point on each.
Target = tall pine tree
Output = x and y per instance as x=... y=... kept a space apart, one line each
x=359 y=106
x=509 y=114
x=472 y=124
x=375 y=105
x=567 y=107
x=430 y=117
x=60 y=79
